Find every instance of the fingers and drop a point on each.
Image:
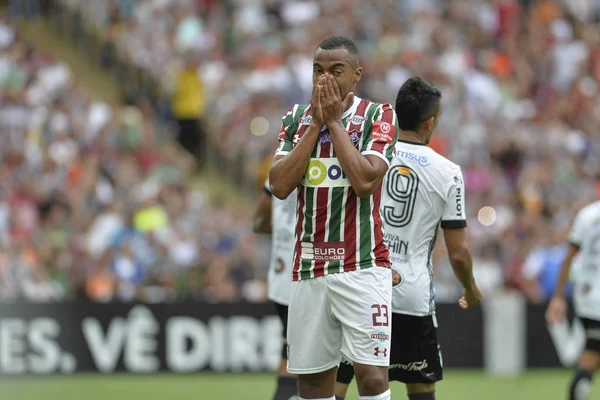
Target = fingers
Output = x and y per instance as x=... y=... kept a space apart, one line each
x=329 y=90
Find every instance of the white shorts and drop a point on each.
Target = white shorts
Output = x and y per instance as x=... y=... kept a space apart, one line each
x=347 y=314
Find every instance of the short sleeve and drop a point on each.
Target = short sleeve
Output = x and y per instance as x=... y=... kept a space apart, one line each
x=380 y=141
x=454 y=216
x=576 y=236
x=285 y=141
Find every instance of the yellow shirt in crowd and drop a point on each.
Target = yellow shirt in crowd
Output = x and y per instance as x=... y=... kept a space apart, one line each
x=188 y=98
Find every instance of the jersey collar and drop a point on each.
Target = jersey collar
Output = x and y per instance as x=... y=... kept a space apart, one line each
x=352 y=108
x=411 y=142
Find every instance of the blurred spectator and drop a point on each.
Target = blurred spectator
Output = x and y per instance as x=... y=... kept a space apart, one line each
x=188 y=107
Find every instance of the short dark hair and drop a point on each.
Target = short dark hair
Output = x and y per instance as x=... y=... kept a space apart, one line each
x=417 y=101
x=341 y=42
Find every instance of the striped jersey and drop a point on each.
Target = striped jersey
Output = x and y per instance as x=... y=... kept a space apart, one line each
x=336 y=231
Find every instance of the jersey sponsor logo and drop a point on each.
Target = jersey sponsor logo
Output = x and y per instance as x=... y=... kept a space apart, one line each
x=383 y=131
x=459 y=207
x=423 y=161
x=306 y=120
x=324 y=172
x=381 y=336
x=357 y=120
x=326 y=251
x=396 y=278
x=416 y=366
x=379 y=352
x=395 y=245
x=324 y=137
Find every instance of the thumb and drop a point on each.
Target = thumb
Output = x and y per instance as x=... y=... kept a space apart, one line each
x=348 y=99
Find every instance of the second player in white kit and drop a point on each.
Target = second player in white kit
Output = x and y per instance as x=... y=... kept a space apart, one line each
x=584 y=241
x=278 y=217
x=422 y=191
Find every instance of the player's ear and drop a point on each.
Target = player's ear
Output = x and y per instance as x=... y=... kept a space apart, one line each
x=357 y=75
x=429 y=124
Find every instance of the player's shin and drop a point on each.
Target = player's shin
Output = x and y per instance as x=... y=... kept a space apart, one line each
x=581 y=386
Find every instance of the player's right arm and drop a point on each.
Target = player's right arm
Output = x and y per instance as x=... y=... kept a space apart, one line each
x=557 y=309
x=261 y=223
x=453 y=223
x=290 y=163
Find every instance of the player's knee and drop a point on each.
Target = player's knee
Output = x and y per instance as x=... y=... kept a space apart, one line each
x=420 y=388
x=315 y=384
x=581 y=387
x=372 y=381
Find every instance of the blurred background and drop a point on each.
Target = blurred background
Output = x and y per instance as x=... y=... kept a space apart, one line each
x=135 y=136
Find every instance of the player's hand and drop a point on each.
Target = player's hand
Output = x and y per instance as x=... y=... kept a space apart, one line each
x=557 y=310
x=332 y=104
x=471 y=297
x=315 y=104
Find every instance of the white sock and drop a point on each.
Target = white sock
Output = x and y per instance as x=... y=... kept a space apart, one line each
x=387 y=395
x=328 y=398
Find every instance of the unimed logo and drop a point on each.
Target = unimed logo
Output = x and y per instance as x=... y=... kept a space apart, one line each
x=332 y=251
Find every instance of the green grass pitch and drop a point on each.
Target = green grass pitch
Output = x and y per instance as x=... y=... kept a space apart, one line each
x=457 y=385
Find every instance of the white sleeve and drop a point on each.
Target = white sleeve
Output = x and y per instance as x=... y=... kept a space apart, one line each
x=577 y=233
x=454 y=216
x=267 y=188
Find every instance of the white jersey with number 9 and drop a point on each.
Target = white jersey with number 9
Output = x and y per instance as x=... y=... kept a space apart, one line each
x=420 y=190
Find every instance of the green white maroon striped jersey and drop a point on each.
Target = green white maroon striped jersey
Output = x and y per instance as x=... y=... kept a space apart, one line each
x=337 y=231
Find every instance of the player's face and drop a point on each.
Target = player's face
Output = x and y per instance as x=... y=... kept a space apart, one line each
x=338 y=63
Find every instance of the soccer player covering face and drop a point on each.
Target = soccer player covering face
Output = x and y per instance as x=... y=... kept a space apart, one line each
x=278 y=217
x=584 y=241
x=421 y=191
x=336 y=151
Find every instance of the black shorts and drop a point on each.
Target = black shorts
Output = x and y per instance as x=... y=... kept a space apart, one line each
x=415 y=353
x=282 y=311
x=592 y=334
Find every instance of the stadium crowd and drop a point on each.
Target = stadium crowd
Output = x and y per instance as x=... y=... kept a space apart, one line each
x=95 y=201
x=521 y=116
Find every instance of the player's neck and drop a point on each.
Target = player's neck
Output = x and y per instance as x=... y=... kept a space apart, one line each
x=410 y=136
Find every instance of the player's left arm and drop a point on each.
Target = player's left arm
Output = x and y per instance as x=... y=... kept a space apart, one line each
x=261 y=223
x=557 y=309
x=365 y=169
x=575 y=239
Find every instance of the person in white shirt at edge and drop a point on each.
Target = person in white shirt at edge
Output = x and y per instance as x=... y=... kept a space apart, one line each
x=584 y=243
x=278 y=218
x=421 y=190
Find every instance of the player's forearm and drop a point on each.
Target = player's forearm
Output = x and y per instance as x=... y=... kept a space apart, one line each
x=363 y=176
x=563 y=277
x=462 y=265
x=286 y=173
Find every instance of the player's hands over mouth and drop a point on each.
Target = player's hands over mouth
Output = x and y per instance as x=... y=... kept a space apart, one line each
x=315 y=103
x=471 y=297
x=332 y=104
x=557 y=310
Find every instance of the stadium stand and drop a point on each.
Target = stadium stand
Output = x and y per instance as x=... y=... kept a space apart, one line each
x=521 y=102
x=95 y=200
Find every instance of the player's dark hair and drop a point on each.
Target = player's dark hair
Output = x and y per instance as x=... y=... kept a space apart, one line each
x=417 y=101
x=341 y=42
